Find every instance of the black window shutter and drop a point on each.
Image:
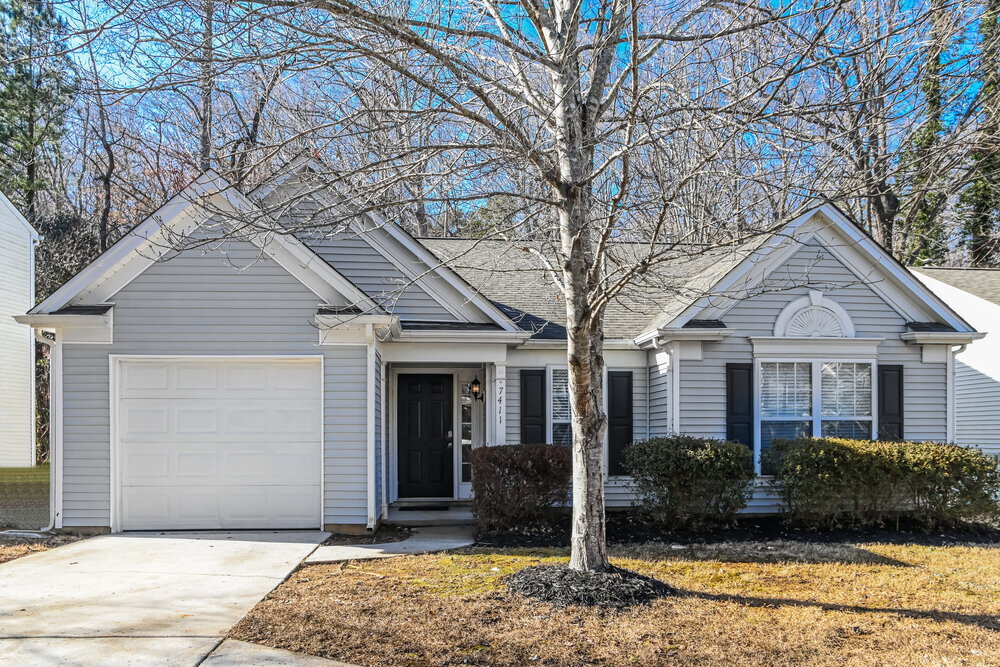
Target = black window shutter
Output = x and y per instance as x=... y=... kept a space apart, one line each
x=619 y=419
x=739 y=403
x=890 y=403
x=533 y=406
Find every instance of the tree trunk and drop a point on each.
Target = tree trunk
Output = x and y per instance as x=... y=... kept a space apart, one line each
x=585 y=361
x=205 y=152
x=586 y=379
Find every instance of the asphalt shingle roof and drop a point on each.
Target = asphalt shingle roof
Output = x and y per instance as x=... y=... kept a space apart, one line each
x=513 y=274
x=984 y=283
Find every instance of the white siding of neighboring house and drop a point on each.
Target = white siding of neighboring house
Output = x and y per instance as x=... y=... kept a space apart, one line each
x=199 y=304
x=17 y=440
x=977 y=369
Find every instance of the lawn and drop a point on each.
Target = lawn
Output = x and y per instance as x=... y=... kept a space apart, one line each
x=24 y=497
x=759 y=603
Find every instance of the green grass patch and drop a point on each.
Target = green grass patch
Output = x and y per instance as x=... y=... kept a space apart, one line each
x=24 y=497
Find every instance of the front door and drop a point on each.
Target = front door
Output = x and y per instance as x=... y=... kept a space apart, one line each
x=424 y=443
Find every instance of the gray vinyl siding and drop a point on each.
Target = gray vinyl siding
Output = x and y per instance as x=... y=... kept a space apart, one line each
x=198 y=304
x=615 y=492
x=659 y=398
x=513 y=394
x=702 y=383
x=379 y=278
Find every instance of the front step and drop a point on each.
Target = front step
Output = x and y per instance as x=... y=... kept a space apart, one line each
x=413 y=514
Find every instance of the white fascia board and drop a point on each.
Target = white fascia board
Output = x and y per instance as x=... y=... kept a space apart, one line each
x=48 y=322
x=285 y=173
x=7 y=206
x=941 y=337
x=312 y=271
x=759 y=265
x=815 y=348
x=435 y=265
x=508 y=337
x=134 y=243
x=446 y=273
x=897 y=271
x=657 y=337
x=183 y=213
x=769 y=254
x=560 y=344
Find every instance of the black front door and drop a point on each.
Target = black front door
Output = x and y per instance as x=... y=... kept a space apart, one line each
x=426 y=461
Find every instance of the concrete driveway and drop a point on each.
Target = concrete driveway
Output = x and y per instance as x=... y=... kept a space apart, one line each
x=139 y=598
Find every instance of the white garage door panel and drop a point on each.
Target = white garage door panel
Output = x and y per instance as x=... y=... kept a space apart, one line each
x=219 y=443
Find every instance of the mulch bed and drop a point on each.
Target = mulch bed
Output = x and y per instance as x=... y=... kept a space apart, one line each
x=627 y=528
x=383 y=535
x=558 y=584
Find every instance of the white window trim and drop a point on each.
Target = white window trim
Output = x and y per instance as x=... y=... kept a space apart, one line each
x=817 y=398
x=549 y=399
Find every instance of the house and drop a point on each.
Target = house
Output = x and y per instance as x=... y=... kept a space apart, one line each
x=17 y=345
x=273 y=380
x=975 y=295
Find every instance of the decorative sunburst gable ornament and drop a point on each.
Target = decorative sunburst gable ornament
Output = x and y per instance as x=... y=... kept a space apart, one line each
x=814 y=316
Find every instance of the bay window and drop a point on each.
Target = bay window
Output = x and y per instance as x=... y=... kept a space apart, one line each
x=814 y=398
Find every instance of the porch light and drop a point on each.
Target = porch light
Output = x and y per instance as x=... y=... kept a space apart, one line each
x=476 y=389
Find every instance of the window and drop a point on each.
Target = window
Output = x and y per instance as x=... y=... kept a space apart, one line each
x=817 y=398
x=467 y=403
x=562 y=415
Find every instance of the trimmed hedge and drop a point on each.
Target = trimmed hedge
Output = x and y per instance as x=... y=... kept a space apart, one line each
x=832 y=482
x=516 y=486
x=685 y=481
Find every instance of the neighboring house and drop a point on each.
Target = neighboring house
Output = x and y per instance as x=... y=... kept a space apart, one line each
x=278 y=382
x=17 y=345
x=975 y=295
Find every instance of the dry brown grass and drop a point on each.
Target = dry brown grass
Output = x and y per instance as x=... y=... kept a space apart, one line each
x=15 y=547
x=805 y=603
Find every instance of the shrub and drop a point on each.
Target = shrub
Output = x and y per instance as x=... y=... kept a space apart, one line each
x=683 y=481
x=830 y=482
x=516 y=486
x=948 y=484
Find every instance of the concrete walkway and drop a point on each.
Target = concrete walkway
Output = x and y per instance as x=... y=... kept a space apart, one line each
x=423 y=540
x=234 y=653
x=140 y=598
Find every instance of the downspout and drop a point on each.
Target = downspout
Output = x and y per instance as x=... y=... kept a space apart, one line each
x=951 y=427
x=55 y=424
x=370 y=374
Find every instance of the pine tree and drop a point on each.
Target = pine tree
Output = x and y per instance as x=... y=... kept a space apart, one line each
x=981 y=200
x=926 y=241
x=35 y=91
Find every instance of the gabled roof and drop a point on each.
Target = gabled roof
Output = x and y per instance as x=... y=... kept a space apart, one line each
x=984 y=283
x=694 y=285
x=856 y=250
x=373 y=227
x=514 y=275
x=7 y=209
x=158 y=234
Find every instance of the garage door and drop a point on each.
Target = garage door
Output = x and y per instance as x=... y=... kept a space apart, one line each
x=219 y=443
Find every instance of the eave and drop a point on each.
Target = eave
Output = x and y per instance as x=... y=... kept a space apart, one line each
x=658 y=337
x=941 y=337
